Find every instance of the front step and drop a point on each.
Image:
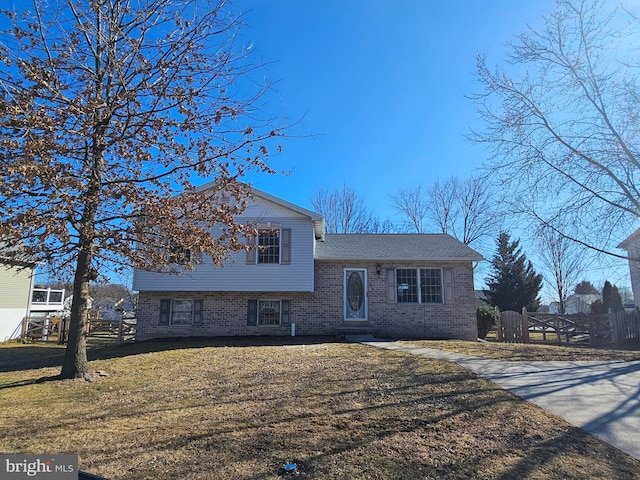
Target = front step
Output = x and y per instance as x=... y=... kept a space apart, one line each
x=356 y=328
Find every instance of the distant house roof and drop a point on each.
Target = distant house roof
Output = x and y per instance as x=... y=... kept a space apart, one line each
x=416 y=246
x=481 y=297
x=11 y=253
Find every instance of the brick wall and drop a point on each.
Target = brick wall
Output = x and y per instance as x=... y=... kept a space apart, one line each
x=322 y=312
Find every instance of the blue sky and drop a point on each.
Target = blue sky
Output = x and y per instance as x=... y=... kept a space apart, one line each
x=381 y=88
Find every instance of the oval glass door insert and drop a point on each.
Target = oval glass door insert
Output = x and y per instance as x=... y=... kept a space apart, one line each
x=355 y=291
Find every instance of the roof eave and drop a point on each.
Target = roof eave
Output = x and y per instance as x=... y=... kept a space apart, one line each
x=395 y=259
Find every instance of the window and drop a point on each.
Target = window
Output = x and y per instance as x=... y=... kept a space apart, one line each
x=178 y=254
x=422 y=285
x=268 y=246
x=272 y=246
x=407 y=280
x=181 y=312
x=431 y=285
x=268 y=312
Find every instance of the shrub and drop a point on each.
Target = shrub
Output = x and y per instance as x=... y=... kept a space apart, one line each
x=485 y=316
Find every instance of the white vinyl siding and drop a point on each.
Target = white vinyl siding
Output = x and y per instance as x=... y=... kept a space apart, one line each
x=15 y=285
x=15 y=292
x=295 y=272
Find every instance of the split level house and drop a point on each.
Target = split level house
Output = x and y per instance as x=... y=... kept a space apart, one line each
x=296 y=277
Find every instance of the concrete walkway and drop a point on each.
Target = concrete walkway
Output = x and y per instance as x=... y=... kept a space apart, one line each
x=602 y=398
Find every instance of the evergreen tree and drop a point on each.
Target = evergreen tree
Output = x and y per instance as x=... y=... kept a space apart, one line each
x=514 y=283
x=611 y=299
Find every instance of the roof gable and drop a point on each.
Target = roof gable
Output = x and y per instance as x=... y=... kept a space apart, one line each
x=631 y=240
x=254 y=194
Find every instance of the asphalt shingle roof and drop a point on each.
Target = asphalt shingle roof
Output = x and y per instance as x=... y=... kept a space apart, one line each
x=12 y=253
x=412 y=246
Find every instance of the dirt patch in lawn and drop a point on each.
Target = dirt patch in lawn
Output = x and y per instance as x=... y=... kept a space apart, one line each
x=194 y=410
x=519 y=352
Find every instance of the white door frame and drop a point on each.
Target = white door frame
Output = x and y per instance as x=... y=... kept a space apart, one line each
x=365 y=296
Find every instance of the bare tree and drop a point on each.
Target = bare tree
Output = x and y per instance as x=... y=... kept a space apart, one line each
x=478 y=214
x=107 y=108
x=412 y=203
x=443 y=205
x=562 y=121
x=463 y=208
x=564 y=261
x=344 y=211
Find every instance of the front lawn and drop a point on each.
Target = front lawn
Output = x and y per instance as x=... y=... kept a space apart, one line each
x=240 y=410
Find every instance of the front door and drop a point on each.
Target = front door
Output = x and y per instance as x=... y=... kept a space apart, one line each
x=355 y=294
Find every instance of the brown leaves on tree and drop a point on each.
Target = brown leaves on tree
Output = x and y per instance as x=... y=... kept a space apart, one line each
x=108 y=114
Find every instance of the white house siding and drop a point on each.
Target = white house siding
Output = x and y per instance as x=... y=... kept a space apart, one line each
x=236 y=275
x=321 y=312
x=15 y=292
x=634 y=270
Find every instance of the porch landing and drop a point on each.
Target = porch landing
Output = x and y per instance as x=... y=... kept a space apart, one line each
x=360 y=328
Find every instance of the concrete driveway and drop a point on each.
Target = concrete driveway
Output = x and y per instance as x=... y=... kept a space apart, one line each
x=602 y=398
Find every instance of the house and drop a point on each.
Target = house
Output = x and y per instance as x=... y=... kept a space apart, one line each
x=295 y=277
x=16 y=289
x=632 y=247
x=576 y=303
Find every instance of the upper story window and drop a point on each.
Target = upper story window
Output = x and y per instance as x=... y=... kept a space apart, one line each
x=178 y=254
x=268 y=245
x=271 y=246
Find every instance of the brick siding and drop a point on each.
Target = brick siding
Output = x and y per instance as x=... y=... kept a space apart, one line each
x=321 y=312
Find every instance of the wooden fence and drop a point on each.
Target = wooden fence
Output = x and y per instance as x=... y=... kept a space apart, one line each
x=56 y=329
x=619 y=329
x=512 y=328
x=626 y=328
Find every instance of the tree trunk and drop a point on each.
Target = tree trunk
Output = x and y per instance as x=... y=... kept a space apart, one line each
x=75 y=363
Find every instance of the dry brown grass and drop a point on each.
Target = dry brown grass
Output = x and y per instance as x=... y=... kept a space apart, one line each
x=206 y=410
x=537 y=351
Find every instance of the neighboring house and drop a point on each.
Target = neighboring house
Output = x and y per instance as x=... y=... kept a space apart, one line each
x=481 y=299
x=16 y=288
x=576 y=303
x=396 y=285
x=632 y=246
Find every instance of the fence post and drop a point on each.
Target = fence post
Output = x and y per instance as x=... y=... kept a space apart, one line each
x=611 y=317
x=615 y=333
x=499 y=332
x=525 y=325
x=120 y=332
x=25 y=327
x=61 y=330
